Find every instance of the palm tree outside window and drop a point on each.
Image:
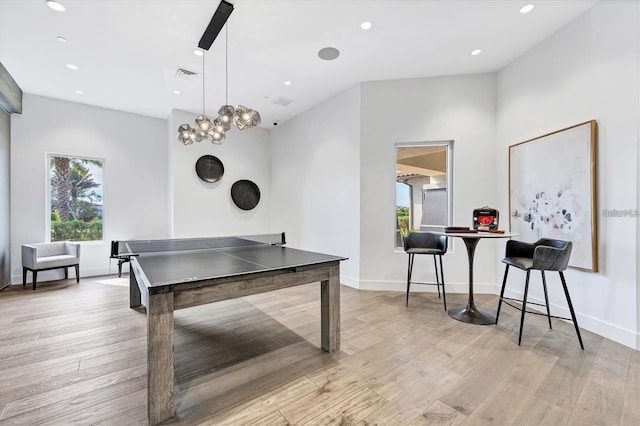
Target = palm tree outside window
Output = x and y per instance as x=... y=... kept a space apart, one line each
x=75 y=198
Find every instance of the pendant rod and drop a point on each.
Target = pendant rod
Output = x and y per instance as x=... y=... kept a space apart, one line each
x=226 y=64
x=204 y=112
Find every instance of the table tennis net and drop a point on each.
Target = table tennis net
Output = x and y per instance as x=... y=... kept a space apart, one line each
x=123 y=248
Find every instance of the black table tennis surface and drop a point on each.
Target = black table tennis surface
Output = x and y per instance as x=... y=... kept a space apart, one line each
x=177 y=267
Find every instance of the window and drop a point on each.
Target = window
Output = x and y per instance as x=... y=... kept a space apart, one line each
x=423 y=187
x=75 y=198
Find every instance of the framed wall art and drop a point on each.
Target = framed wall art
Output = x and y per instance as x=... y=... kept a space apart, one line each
x=552 y=190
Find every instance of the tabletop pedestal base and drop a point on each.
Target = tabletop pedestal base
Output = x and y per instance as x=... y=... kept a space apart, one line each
x=471 y=316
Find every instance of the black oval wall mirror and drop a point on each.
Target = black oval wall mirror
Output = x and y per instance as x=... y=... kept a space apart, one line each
x=209 y=168
x=245 y=194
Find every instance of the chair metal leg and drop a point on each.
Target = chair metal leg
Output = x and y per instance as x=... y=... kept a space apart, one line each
x=504 y=284
x=524 y=306
x=444 y=294
x=435 y=265
x=66 y=273
x=546 y=297
x=77 y=273
x=409 y=268
x=35 y=277
x=24 y=277
x=573 y=314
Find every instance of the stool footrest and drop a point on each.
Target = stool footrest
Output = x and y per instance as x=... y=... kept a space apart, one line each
x=528 y=302
x=506 y=299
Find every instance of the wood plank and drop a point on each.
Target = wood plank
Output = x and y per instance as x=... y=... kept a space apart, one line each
x=330 y=307
x=252 y=412
x=350 y=410
x=631 y=407
x=70 y=392
x=597 y=405
x=261 y=284
x=565 y=381
x=504 y=402
x=160 y=386
x=439 y=414
x=539 y=412
x=613 y=361
x=135 y=397
x=217 y=393
x=488 y=372
x=417 y=398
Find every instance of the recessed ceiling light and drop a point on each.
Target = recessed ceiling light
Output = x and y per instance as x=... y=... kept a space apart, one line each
x=72 y=67
x=177 y=92
x=198 y=52
x=528 y=8
x=61 y=39
x=79 y=92
x=328 y=53
x=365 y=25
x=58 y=7
x=287 y=83
x=476 y=52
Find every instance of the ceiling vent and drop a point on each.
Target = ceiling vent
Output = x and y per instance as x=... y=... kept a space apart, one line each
x=282 y=101
x=185 y=74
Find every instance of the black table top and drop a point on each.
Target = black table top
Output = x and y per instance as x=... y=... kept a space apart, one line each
x=177 y=267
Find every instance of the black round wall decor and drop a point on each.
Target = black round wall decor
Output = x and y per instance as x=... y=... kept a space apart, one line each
x=245 y=194
x=209 y=168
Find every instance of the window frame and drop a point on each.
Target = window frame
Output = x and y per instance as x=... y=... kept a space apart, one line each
x=48 y=157
x=449 y=144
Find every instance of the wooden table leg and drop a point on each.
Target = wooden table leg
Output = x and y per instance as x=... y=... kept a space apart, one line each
x=330 y=320
x=160 y=375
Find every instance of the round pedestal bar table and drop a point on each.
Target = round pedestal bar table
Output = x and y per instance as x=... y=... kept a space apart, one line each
x=470 y=313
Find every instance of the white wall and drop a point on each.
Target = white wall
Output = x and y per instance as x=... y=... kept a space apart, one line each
x=201 y=209
x=587 y=70
x=135 y=196
x=315 y=180
x=458 y=108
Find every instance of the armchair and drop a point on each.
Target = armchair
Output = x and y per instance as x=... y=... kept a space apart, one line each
x=45 y=256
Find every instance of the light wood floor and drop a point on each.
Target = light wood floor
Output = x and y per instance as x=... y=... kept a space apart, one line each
x=75 y=354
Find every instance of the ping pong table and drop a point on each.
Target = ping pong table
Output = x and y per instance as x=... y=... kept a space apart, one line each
x=173 y=274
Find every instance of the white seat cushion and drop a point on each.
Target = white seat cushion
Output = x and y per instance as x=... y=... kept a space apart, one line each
x=56 y=261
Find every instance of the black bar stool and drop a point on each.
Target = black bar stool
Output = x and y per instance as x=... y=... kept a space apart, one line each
x=426 y=243
x=543 y=255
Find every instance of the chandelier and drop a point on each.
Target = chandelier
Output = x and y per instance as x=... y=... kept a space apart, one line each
x=216 y=130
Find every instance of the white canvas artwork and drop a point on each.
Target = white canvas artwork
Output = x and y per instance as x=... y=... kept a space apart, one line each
x=552 y=190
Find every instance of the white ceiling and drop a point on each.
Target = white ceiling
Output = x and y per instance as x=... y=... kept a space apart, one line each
x=128 y=51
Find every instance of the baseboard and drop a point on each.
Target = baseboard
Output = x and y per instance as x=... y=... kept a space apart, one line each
x=602 y=328
x=478 y=288
x=349 y=281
